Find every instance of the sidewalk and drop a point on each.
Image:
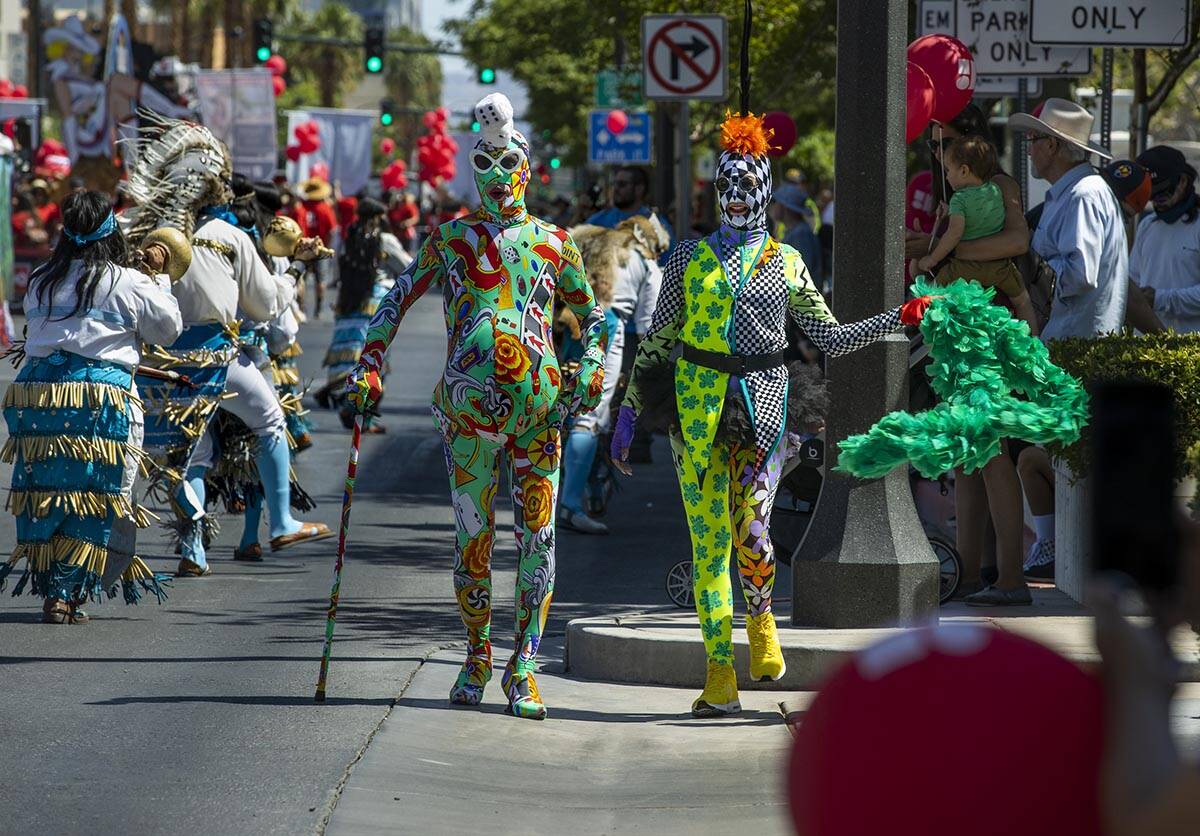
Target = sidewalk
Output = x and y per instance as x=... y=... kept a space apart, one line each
x=608 y=759
x=665 y=647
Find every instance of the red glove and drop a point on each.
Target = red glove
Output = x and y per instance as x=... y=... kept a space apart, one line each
x=912 y=311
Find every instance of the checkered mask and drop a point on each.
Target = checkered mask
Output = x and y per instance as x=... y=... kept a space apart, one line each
x=745 y=179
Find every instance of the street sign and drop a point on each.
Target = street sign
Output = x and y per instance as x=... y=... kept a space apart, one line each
x=937 y=17
x=998 y=86
x=1148 y=23
x=685 y=57
x=619 y=88
x=630 y=147
x=997 y=33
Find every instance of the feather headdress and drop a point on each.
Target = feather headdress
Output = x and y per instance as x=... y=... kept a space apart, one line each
x=181 y=168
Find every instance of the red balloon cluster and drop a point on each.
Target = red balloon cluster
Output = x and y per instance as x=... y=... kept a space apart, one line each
x=308 y=140
x=880 y=721
x=393 y=176
x=387 y=145
x=8 y=90
x=949 y=70
x=783 y=132
x=278 y=67
x=436 y=149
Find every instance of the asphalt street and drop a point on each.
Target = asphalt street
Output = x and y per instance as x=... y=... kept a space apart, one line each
x=197 y=716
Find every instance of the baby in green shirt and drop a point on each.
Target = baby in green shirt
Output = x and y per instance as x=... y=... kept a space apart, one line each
x=976 y=211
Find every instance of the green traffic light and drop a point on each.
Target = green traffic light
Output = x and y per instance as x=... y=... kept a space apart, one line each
x=374 y=64
x=263 y=54
x=487 y=76
x=385 y=119
x=555 y=162
x=474 y=127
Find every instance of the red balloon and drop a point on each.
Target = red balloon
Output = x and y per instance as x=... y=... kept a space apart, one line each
x=278 y=85
x=950 y=67
x=293 y=152
x=276 y=64
x=920 y=102
x=892 y=718
x=617 y=121
x=386 y=146
x=6 y=88
x=429 y=119
x=320 y=171
x=784 y=132
x=19 y=91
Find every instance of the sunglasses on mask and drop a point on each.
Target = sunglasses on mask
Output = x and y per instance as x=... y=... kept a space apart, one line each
x=509 y=163
x=747 y=183
x=1164 y=187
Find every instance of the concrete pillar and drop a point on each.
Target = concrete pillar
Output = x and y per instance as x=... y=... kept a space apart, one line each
x=866 y=561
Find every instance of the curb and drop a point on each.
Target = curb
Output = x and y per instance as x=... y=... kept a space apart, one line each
x=649 y=649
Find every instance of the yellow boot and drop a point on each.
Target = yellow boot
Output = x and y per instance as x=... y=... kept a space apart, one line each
x=766 y=659
x=720 y=695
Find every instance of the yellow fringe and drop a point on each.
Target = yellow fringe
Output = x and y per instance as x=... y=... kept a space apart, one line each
x=143 y=516
x=76 y=394
x=292 y=405
x=39 y=448
x=138 y=571
x=342 y=355
x=158 y=357
x=61 y=549
x=292 y=350
x=78 y=503
x=286 y=377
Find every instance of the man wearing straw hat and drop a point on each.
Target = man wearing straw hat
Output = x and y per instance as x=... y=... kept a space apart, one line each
x=1081 y=234
x=319 y=219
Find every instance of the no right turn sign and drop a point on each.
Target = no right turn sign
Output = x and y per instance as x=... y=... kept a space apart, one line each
x=685 y=57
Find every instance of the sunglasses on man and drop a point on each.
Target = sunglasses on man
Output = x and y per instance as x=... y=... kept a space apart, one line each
x=1164 y=187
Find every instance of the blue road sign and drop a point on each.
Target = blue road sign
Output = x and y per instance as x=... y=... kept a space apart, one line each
x=630 y=147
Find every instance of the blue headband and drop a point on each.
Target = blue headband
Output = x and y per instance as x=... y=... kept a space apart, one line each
x=103 y=231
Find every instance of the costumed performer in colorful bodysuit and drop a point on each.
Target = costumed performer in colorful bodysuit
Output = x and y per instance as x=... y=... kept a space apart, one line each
x=728 y=298
x=74 y=417
x=502 y=389
x=182 y=178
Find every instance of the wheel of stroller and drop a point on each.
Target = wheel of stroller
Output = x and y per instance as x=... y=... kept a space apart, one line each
x=949 y=566
x=679 y=584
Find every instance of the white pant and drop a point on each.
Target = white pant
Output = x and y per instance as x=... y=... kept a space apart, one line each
x=256 y=404
x=597 y=420
x=137 y=434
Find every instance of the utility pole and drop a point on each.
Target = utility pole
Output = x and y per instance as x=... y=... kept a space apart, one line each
x=865 y=561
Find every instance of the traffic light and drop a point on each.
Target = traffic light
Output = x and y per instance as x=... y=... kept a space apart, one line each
x=487 y=75
x=263 y=37
x=386 y=116
x=475 y=127
x=555 y=162
x=373 y=48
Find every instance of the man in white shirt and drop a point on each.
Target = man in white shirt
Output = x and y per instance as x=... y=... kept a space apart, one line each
x=1080 y=234
x=1165 y=261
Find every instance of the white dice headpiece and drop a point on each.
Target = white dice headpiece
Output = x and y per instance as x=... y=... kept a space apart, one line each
x=494 y=113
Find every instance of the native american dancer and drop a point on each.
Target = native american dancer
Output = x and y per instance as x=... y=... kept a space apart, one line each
x=728 y=299
x=73 y=413
x=622 y=268
x=182 y=178
x=502 y=389
x=371 y=260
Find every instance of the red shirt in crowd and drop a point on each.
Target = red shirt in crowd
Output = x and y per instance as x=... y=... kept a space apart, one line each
x=347 y=211
x=398 y=214
x=318 y=219
x=50 y=214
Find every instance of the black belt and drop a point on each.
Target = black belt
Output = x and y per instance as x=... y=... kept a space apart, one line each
x=738 y=364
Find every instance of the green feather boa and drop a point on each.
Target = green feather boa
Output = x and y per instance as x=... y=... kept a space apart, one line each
x=982 y=358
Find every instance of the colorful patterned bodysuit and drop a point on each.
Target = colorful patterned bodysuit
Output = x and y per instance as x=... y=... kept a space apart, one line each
x=502 y=390
x=731 y=294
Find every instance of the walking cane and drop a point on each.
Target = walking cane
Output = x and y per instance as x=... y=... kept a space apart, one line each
x=351 y=473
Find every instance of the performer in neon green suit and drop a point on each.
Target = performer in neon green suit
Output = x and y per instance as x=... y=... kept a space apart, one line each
x=500 y=270
x=727 y=298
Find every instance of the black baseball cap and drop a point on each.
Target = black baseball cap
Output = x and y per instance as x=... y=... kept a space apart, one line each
x=1166 y=165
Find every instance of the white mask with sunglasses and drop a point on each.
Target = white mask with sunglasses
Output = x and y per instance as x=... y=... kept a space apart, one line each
x=743 y=179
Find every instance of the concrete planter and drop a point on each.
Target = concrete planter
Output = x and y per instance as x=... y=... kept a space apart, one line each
x=1072 y=527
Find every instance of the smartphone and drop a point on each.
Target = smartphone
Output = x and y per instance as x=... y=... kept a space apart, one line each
x=1134 y=524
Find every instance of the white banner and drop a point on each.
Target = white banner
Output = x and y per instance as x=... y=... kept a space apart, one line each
x=239 y=107
x=345 y=146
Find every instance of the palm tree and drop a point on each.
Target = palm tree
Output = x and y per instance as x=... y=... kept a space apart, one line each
x=334 y=69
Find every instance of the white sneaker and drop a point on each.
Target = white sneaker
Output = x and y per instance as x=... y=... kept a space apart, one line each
x=577 y=521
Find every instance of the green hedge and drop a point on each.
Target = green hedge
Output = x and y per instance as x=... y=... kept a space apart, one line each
x=1169 y=359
